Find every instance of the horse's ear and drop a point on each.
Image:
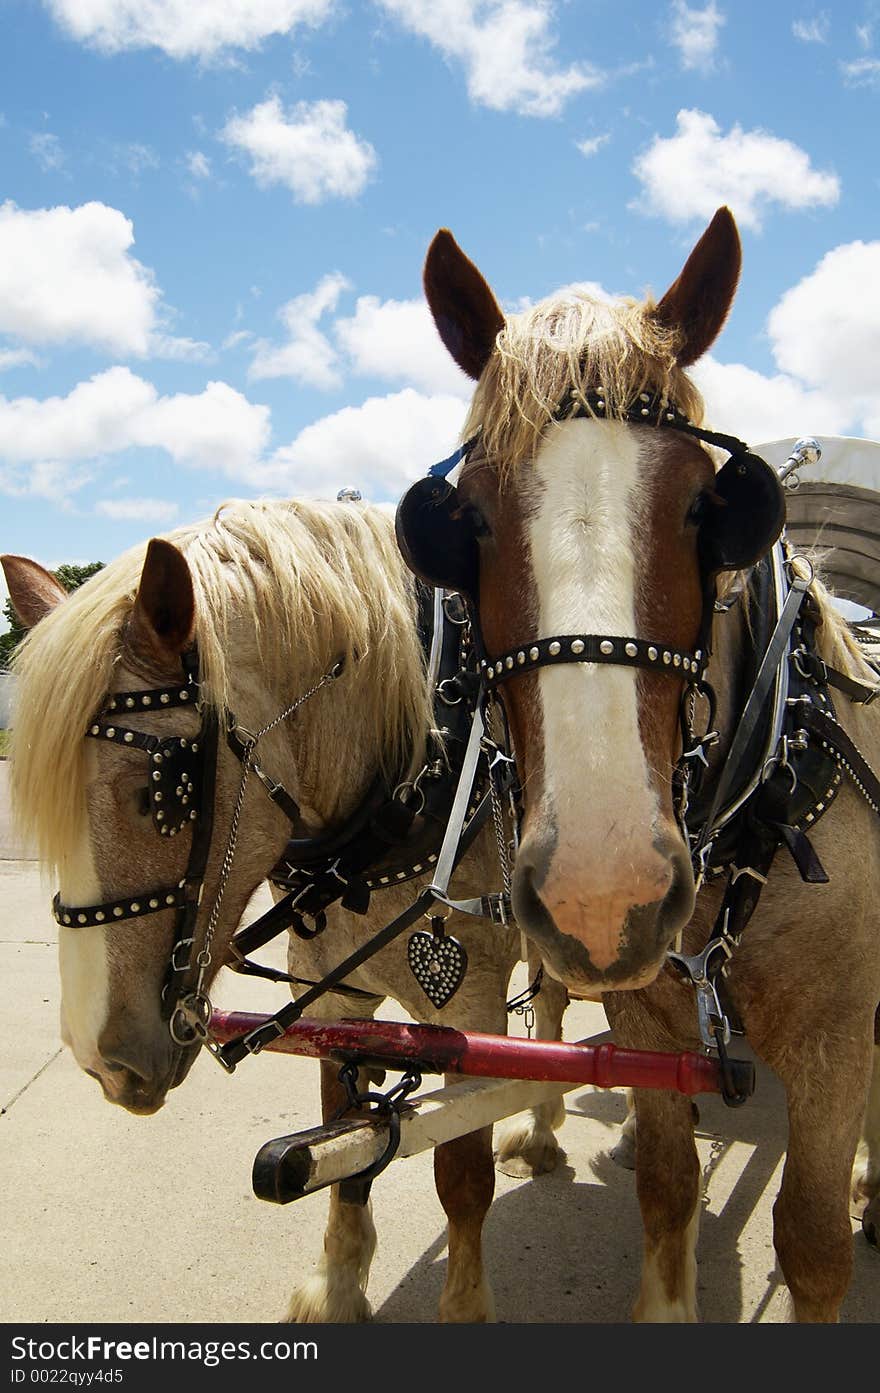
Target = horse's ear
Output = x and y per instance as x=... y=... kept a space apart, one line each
x=34 y=592
x=465 y=310
x=698 y=303
x=163 y=617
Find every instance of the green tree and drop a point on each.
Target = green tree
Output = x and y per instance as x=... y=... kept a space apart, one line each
x=71 y=577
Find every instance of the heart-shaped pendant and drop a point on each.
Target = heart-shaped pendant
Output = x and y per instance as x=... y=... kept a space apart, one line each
x=438 y=963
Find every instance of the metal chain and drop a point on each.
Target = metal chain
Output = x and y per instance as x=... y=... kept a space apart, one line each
x=497 y=810
x=204 y=957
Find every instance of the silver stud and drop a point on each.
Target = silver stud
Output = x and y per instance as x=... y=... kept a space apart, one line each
x=156 y=775
x=117 y=910
x=676 y=660
x=667 y=657
x=129 y=701
x=160 y=816
x=110 y=732
x=508 y=663
x=146 y=701
x=128 y=737
x=490 y=673
x=195 y=748
x=698 y=655
x=172 y=832
x=164 y=698
x=534 y=654
x=185 y=799
x=606 y=647
x=644 y=411
x=96 y=730
x=554 y=648
x=179 y=790
x=193 y=815
x=135 y=907
x=169 y=899
x=600 y=406
x=184 y=694
x=644 y=396
x=100 y=916
x=652 y=654
x=66 y=918
x=578 y=646
x=157 y=759
x=82 y=919
x=520 y=657
x=630 y=650
x=183 y=743
x=157 y=795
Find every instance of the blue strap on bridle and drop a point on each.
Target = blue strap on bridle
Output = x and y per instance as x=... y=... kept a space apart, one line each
x=446 y=466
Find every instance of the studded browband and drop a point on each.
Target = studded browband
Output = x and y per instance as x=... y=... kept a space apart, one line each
x=593 y=648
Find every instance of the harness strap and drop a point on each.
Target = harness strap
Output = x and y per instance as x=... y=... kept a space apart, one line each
x=835 y=740
x=754 y=706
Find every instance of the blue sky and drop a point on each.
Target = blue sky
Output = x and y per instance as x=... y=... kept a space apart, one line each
x=214 y=213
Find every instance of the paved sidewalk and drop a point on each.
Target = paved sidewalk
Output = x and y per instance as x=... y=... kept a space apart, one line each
x=108 y=1217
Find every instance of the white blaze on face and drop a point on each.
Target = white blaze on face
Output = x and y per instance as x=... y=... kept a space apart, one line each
x=82 y=957
x=598 y=795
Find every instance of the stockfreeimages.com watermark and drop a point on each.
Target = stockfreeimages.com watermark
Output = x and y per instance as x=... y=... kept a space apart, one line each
x=40 y=1354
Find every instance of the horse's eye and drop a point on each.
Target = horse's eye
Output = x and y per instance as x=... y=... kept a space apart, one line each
x=698 y=509
x=143 y=802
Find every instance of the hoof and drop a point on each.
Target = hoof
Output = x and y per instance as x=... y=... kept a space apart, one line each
x=527 y=1158
x=319 y=1302
x=624 y=1152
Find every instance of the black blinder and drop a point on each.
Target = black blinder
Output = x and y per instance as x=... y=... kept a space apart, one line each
x=743 y=527
x=175 y=784
x=437 y=534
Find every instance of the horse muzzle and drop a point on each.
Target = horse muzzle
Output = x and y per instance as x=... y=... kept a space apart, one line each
x=597 y=937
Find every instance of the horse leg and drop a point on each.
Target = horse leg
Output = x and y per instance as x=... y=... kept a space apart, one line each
x=336 y=1290
x=668 y=1184
x=812 y=1231
x=465 y=1179
x=525 y=1144
x=866 y=1172
x=624 y=1149
x=667 y=1169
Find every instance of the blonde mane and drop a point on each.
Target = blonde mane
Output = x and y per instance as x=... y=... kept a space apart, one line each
x=312 y=579
x=573 y=342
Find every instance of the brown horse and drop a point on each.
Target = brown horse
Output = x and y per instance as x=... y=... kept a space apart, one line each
x=573 y=515
x=273 y=594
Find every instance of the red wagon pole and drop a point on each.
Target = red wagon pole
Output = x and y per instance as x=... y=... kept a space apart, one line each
x=440 y=1049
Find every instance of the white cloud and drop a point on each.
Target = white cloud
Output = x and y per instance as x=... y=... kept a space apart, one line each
x=137 y=509
x=46 y=150
x=825 y=338
x=198 y=165
x=308 y=355
x=379 y=447
x=826 y=329
x=183 y=28
x=506 y=48
x=67 y=276
x=756 y=407
x=397 y=340
x=116 y=410
x=695 y=33
x=813 y=31
x=17 y=358
x=865 y=35
x=592 y=144
x=688 y=175
x=310 y=150
x=862 y=72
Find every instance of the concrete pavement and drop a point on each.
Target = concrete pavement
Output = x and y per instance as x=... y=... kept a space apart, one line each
x=108 y=1217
